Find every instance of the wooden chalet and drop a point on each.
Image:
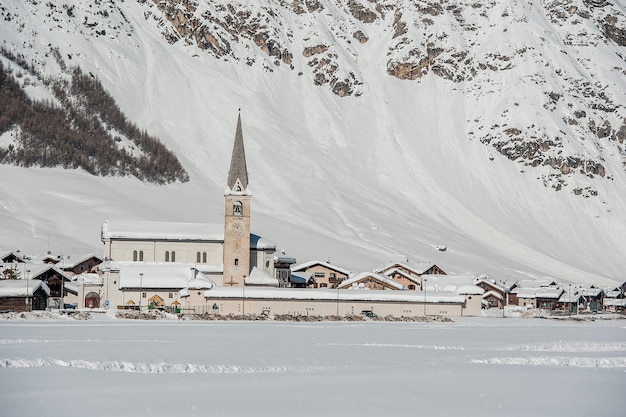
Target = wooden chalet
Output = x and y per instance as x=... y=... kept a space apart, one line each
x=10 y=257
x=326 y=275
x=19 y=295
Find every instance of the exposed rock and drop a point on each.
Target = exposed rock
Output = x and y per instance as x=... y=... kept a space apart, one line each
x=360 y=12
x=360 y=36
x=314 y=50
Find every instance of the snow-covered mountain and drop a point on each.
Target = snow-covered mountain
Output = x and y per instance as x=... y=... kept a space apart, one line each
x=375 y=130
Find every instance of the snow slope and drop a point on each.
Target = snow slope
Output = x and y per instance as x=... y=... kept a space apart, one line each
x=359 y=181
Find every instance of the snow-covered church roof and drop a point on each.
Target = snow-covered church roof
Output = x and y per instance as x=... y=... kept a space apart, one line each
x=151 y=230
x=261 y=278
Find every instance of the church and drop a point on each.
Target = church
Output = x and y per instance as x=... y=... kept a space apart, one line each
x=166 y=264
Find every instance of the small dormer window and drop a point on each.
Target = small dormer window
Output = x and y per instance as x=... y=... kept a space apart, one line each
x=237 y=209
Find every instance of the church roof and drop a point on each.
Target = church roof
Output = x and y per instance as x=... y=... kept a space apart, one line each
x=238 y=169
x=162 y=230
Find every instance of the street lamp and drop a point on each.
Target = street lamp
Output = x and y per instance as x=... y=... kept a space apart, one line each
x=28 y=303
x=62 y=272
x=424 y=291
x=140 y=288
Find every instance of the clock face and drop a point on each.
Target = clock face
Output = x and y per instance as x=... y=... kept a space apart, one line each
x=237 y=227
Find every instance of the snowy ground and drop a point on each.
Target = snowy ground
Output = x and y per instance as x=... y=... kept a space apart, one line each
x=473 y=367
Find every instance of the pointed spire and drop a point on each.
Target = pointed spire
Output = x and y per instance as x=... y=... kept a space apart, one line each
x=238 y=169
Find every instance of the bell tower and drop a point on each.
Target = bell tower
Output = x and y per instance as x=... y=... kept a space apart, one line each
x=237 y=216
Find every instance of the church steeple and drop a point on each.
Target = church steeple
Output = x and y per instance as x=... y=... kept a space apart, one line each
x=237 y=217
x=238 y=173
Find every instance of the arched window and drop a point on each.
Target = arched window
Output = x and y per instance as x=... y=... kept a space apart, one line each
x=134 y=256
x=203 y=257
x=198 y=257
x=237 y=209
x=141 y=256
x=167 y=256
x=173 y=256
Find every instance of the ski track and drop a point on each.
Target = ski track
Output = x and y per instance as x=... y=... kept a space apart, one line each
x=559 y=346
x=149 y=367
x=557 y=361
x=44 y=341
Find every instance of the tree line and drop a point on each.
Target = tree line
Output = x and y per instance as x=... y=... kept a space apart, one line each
x=85 y=130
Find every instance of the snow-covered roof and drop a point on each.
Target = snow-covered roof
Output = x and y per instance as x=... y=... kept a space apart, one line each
x=157 y=276
x=309 y=264
x=417 y=268
x=501 y=286
x=151 y=230
x=200 y=282
x=8 y=254
x=282 y=257
x=535 y=283
x=543 y=292
x=493 y=294
x=31 y=270
x=612 y=294
x=259 y=243
x=88 y=279
x=353 y=281
x=69 y=262
x=21 y=287
x=459 y=284
x=259 y=277
x=301 y=277
x=405 y=274
x=570 y=298
x=333 y=294
x=617 y=302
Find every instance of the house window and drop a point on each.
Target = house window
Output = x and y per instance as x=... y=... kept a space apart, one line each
x=236 y=261
x=331 y=275
x=198 y=257
x=171 y=295
x=143 y=295
x=134 y=256
x=82 y=268
x=323 y=285
x=141 y=256
x=173 y=256
x=238 y=209
x=320 y=275
x=204 y=257
x=167 y=256
x=411 y=287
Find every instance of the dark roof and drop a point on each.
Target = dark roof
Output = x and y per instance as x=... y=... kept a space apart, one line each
x=238 y=168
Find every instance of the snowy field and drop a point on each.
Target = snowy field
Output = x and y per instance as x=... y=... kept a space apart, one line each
x=473 y=367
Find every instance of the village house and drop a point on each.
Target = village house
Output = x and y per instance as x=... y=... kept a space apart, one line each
x=371 y=281
x=545 y=298
x=326 y=274
x=19 y=295
x=409 y=274
x=496 y=293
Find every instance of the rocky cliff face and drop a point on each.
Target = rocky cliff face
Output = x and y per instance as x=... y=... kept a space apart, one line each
x=562 y=60
x=490 y=50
